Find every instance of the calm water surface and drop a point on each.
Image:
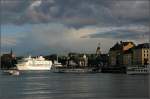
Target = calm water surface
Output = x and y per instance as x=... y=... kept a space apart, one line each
x=47 y=85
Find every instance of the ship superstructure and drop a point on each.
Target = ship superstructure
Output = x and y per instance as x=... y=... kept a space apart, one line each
x=38 y=63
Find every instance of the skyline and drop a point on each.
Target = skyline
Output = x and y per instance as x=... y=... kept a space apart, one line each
x=56 y=26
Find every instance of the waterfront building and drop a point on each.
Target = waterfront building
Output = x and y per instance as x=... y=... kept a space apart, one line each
x=83 y=61
x=141 y=54
x=71 y=63
x=128 y=57
x=117 y=51
x=104 y=60
x=8 y=60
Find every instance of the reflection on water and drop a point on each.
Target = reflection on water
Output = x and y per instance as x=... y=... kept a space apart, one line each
x=47 y=85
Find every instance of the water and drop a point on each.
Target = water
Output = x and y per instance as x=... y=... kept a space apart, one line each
x=47 y=85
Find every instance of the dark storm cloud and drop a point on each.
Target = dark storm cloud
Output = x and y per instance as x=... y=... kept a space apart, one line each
x=121 y=35
x=125 y=32
x=75 y=12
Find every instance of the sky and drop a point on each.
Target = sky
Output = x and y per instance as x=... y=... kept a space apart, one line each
x=43 y=27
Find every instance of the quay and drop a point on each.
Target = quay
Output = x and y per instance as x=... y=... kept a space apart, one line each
x=113 y=70
x=76 y=70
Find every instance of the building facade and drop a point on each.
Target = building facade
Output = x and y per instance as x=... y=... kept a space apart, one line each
x=8 y=61
x=141 y=54
x=116 y=53
x=128 y=57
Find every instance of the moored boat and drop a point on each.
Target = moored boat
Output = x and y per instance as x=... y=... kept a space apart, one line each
x=38 y=63
x=138 y=69
x=75 y=70
x=57 y=64
x=12 y=72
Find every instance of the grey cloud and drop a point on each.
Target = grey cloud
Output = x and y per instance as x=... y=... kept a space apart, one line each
x=59 y=38
x=132 y=9
x=54 y=38
x=120 y=35
x=125 y=32
x=72 y=12
x=10 y=41
x=66 y=19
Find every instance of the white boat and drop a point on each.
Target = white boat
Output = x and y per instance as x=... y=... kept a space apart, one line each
x=57 y=64
x=38 y=63
x=12 y=72
x=145 y=69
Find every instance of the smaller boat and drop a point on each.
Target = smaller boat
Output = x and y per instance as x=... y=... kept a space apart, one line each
x=75 y=70
x=12 y=72
x=57 y=64
x=138 y=70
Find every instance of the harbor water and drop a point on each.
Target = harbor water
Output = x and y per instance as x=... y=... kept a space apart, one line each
x=48 y=85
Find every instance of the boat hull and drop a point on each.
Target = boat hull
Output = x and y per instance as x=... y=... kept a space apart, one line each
x=34 y=67
x=138 y=70
x=12 y=72
x=136 y=73
x=75 y=70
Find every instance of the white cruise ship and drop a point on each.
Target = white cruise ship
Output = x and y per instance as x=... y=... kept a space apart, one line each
x=30 y=63
x=145 y=69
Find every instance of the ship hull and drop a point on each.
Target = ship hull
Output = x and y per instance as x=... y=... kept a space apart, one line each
x=136 y=72
x=34 y=67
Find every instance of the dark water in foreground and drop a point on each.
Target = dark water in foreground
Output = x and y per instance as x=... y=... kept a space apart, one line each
x=47 y=85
